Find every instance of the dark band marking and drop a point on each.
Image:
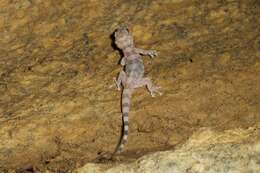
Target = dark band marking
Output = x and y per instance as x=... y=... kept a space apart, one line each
x=135 y=66
x=126 y=104
x=125 y=95
x=134 y=61
x=126 y=132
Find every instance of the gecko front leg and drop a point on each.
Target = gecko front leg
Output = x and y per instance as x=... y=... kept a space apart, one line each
x=151 y=53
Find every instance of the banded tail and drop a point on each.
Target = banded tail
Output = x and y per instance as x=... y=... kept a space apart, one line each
x=125 y=111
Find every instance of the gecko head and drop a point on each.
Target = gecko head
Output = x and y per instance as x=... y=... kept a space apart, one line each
x=123 y=38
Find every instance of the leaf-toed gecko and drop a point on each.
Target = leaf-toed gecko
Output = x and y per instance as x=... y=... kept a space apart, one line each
x=131 y=77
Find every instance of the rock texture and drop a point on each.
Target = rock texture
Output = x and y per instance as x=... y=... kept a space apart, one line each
x=232 y=151
x=57 y=62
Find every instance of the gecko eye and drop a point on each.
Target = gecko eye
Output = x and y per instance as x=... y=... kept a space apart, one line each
x=122 y=29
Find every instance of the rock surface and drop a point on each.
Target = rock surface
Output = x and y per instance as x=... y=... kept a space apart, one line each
x=57 y=62
x=231 y=151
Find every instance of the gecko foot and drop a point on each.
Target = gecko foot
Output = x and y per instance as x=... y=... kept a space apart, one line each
x=115 y=84
x=155 y=90
x=152 y=53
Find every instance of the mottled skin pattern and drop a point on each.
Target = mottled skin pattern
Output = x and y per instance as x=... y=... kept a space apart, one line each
x=131 y=77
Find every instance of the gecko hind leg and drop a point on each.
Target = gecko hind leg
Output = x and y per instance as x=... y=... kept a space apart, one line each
x=153 y=89
x=121 y=79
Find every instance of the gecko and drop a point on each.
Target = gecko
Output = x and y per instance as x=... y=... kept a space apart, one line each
x=130 y=77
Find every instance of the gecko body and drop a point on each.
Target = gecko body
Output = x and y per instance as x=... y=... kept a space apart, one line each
x=131 y=77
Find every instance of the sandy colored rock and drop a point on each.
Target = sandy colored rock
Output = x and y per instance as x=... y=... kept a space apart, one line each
x=207 y=151
x=57 y=62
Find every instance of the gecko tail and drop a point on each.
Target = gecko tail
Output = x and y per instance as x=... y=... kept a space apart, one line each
x=124 y=136
x=125 y=111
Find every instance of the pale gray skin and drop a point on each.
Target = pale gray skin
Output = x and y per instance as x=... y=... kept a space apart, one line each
x=132 y=76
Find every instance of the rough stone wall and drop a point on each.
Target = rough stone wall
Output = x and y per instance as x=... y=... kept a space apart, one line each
x=231 y=151
x=57 y=61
